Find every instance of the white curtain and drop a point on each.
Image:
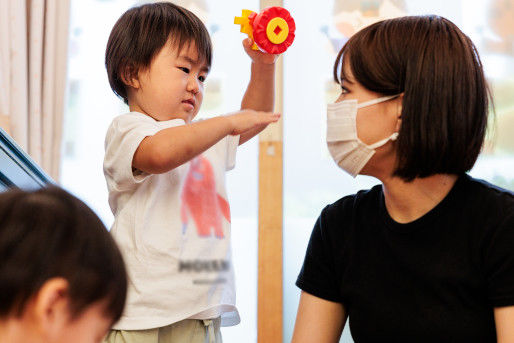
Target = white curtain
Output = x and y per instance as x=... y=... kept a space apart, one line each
x=33 y=63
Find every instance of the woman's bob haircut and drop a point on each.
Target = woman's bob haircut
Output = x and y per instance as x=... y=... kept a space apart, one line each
x=445 y=95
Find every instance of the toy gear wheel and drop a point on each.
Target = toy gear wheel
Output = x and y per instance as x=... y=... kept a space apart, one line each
x=273 y=29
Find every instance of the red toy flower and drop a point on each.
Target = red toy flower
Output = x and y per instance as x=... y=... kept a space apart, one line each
x=273 y=29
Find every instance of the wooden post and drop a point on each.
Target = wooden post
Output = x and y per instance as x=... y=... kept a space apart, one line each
x=270 y=304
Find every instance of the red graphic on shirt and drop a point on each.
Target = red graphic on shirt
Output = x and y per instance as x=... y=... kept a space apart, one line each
x=201 y=202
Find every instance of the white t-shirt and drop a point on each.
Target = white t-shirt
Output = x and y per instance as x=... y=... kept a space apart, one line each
x=173 y=229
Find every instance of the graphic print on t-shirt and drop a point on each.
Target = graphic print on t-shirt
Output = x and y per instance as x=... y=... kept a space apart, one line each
x=201 y=202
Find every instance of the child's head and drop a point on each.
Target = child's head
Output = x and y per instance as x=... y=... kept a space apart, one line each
x=157 y=58
x=441 y=113
x=62 y=277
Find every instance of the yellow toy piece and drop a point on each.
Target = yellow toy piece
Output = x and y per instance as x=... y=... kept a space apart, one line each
x=244 y=21
x=277 y=30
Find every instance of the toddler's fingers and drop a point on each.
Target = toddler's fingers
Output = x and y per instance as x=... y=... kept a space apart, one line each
x=270 y=117
x=247 y=43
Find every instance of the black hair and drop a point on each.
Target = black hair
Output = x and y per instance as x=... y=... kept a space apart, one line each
x=446 y=97
x=141 y=32
x=50 y=233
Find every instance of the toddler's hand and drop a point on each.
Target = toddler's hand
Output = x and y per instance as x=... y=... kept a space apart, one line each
x=245 y=120
x=256 y=55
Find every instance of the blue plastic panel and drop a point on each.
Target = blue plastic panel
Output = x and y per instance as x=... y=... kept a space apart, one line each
x=17 y=169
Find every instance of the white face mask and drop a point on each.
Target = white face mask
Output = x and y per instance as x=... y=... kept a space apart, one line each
x=345 y=147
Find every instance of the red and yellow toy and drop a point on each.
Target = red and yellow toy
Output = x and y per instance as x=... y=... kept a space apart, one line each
x=272 y=30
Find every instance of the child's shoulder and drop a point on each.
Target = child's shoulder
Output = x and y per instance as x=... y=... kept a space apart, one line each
x=128 y=121
x=131 y=117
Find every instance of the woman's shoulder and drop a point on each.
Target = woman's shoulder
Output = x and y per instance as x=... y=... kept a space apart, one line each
x=489 y=195
x=345 y=207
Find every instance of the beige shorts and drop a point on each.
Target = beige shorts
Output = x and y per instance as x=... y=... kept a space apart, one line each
x=185 y=331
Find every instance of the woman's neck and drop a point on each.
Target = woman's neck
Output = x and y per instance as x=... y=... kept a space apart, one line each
x=408 y=201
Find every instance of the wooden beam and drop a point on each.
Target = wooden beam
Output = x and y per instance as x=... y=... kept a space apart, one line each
x=270 y=243
x=270 y=273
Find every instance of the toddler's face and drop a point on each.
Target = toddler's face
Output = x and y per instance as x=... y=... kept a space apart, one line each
x=47 y=319
x=90 y=327
x=172 y=87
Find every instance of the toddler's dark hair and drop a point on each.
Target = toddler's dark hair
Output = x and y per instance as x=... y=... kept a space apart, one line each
x=49 y=233
x=141 y=32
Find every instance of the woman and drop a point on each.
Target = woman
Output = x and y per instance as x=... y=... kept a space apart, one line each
x=428 y=255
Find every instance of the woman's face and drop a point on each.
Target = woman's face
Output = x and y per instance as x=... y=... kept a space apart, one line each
x=374 y=122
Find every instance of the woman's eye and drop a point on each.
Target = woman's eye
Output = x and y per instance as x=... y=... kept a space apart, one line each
x=344 y=90
x=184 y=69
x=202 y=78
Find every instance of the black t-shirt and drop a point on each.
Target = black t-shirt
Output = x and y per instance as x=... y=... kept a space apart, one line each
x=436 y=279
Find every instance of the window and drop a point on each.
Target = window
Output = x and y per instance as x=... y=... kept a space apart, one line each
x=311 y=178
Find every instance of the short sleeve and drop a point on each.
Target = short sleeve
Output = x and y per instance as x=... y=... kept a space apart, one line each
x=123 y=138
x=499 y=264
x=232 y=144
x=317 y=276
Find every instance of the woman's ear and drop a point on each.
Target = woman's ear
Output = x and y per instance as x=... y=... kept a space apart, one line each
x=398 y=124
x=399 y=108
x=129 y=76
x=52 y=307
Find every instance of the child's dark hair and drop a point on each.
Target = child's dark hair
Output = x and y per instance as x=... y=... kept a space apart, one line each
x=49 y=233
x=140 y=34
x=446 y=97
